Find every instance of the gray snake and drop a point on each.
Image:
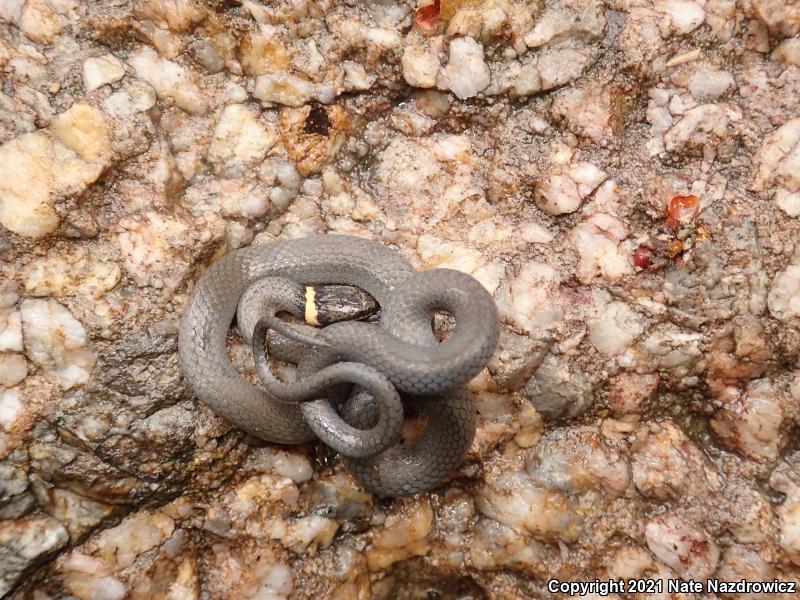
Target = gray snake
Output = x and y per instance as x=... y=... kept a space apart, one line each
x=399 y=354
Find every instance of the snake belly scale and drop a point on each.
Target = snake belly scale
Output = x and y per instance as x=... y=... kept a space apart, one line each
x=400 y=351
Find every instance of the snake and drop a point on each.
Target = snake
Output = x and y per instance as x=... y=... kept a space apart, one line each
x=355 y=379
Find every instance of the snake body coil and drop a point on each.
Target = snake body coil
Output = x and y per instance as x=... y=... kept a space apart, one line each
x=399 y=353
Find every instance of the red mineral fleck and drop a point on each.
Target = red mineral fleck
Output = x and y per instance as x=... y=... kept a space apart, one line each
x=682 y=211
x=427 y=17
x=643 y=257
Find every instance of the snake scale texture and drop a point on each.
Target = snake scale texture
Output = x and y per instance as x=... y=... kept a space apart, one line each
x=398 y=354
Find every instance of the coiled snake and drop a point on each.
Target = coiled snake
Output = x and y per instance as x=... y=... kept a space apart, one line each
x=400 y=354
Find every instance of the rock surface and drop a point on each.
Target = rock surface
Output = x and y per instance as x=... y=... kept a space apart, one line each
x=622 y=176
